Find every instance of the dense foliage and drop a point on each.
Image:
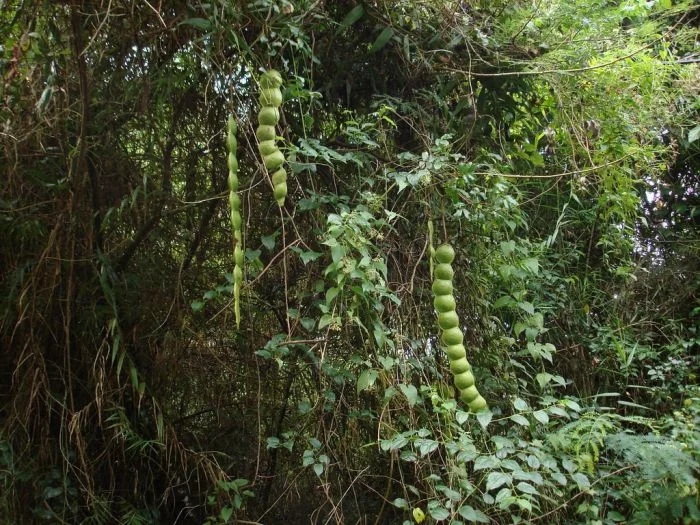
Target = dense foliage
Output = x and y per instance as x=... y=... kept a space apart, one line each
x=555 y=145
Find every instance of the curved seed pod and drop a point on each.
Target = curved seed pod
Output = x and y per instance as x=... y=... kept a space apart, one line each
x=271 y=79
x=271 y=97
x=452 y=336
x=265 y=132
x=279 y=176
x=236 y=221
x=444 y=303
x=464 y=380
x=268 y=116
x=273 y=160
x=455 y=352
x=280 y=192
x=238 y=256
x=267 y=146
x=444 y=254
x=442 y=286
x=279 y=182
x=447 y=320
x=478 y=404
x=459 y=366
x=469 y=394
x=444 y=271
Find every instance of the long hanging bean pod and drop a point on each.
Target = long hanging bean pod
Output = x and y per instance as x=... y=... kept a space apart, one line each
x=268 y=117
x=452 y=338
x=236 y=221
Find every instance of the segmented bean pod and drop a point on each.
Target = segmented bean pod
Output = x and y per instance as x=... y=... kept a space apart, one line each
x=236 y=221
x=452 y=337
x=268 y=117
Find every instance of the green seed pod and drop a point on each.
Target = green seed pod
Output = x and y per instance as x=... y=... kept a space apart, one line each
x=444 y=303
x=279 y=177
x=444 y=254
x=460 y=366
x=267 y=146
x=442 y=286
x=236 y=219
x=234 y=201
x=268 y=116
x=280 y=192
x=270 y=79
x=274 y=160
x=452 y=336
x=464 y=380
x=271 y=97
x=238 y=256
x=265 y=132
x=447 y=320
x=232 y=162
x=444 y=271
x=231 y=130
x=237 y=274
x=456 y=352
x=469 y=394
x=478 y=404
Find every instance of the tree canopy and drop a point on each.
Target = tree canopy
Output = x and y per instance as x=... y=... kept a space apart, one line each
x=185 y=342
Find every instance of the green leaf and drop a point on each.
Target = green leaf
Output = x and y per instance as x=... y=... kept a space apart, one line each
x=504 y=300
x=318 y=468
x=531 y=264
x=437 y=511
x=471 y=514
x=543 y=379
x=400 y=503
x=520 y=404
x=307 y=257
x=199 y=23
x=582 y=480
x=225 y=514
x=353 y=16
x=484 y=418
x=541 y=416
x=526 y=488
x=497 y=479
x=411 y=394
x=268 y=241
x=366 y=380
x=558 y=411
x=331 y=294
x=486 y=462
x=694 y=134
x=382 y=40
x=520 y=420
x=507 y=247
x=197 y=306
x=325 y=320
x=526 y=307
x=426 y=446
x=337 y=252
